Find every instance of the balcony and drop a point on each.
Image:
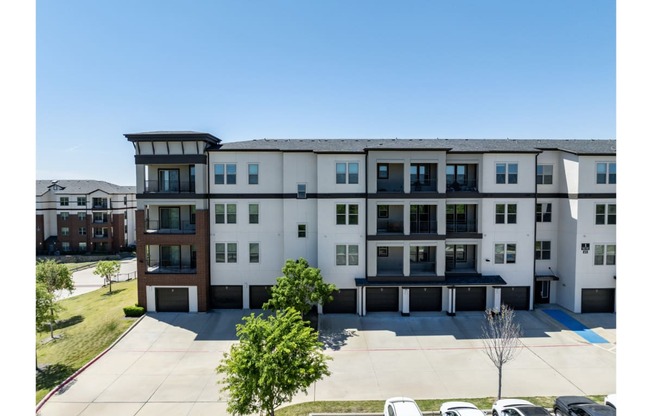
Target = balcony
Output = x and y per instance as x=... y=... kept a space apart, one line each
x=422 y=261
x=423 y=219
x=462 y=178
x=169 y=187
x=169 y=267
x=165 y=227
x=461 y=259
x=389 y=219
x=171 y=259
x=423 y=177
x=461 y=218
x=389 y=261
x=389 y=178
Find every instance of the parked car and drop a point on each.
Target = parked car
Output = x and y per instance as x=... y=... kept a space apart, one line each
x=580 y=406
x=610 y=400
x=401 y=406
x=459 y=409
x=517 y=407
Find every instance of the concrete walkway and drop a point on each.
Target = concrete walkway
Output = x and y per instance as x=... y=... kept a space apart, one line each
x=165 y=364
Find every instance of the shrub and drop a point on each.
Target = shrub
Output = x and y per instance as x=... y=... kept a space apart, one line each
x=134 y=311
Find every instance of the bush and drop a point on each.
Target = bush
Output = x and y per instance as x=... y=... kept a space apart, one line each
x=134 y=311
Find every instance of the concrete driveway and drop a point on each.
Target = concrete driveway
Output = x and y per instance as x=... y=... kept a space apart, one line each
x=165 y=364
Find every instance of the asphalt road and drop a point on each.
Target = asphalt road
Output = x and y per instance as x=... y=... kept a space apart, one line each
x=86 y=281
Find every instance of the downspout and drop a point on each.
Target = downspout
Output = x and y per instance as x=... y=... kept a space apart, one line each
x=363 y=303
x=534 y=261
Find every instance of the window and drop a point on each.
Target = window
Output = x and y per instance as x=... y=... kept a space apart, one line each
x=505 y=213
x=253 y=213
x=301 y=230
x=226 y=252
x=301 y=191
x=225 y=173
x=82 y=246
x=604 y=254
x=507 y=173
x=383 y=251
x=254 y=253
x=383 y=211
x=544 y=212
x=81 y=216
x=505 y=253
x=65 y=246
x=100 y=203
x=168 y=180
x=65 y=231
x=383 y=171
x=346 y=255
x=253 y=174
x=346 y=172
x=605 y=214
x=606 y=173
x=81 y=201
x=225 y=213
x=82 y=230
x=346 y=214
x=544 y=174
x=542 y=250
x=64 y=216
x=63 y=201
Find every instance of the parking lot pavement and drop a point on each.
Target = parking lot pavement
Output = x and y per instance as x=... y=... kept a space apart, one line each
x=165 y=364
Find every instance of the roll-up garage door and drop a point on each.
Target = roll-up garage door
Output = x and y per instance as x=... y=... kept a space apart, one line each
x=382 y=299
x=226 y=297
x=470 y=299
x=172 y=299
x=598 y=300
x=425 y=299
x=516 y=297
x=258 y=295
x=344 y=301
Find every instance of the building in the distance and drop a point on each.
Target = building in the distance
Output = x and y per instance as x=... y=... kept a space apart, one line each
x=84 y=216
x=401 y=225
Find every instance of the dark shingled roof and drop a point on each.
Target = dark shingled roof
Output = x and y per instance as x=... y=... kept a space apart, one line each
x=83 y=187
x=580 y=147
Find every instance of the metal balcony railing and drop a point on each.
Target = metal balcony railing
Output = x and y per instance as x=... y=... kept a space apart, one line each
x=172 y=187
x=464 y=227
x=389 y=227
x=423 y=227
x=424 y=268
x=467 y=185
x=167 y=267
x=424 y=186
x=164 y=227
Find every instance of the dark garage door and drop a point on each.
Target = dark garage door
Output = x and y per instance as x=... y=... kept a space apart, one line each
x=517 y=297
x=172 y=299
x=425 y=299
x=226 y=297
x=258 y=295
x=598 y=300
x=343 y=301
x=382 y=299
x=470 y=299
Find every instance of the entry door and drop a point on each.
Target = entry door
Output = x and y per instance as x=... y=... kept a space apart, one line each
x=542 y=292
x=168 y=180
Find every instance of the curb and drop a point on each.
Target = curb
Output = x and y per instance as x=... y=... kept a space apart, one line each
x=84 y=367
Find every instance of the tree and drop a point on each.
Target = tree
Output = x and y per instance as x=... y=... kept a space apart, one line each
x=107 y=269
x=53 y=277
x=46 y=309
x=500 y=336
x=275 y=358
x=300 y=287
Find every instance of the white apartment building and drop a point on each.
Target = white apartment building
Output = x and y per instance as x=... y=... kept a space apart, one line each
x=397 y=225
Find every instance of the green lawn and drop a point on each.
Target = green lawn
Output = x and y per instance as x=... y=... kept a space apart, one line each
x=88 y=324
x=73 y=267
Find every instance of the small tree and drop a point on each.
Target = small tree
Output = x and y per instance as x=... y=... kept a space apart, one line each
x=300 y=287
x=53 y=277
x=500 y=336
x=276 y=357
x=107 y=269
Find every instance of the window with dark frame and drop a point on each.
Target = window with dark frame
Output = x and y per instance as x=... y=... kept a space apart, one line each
x=544 y=174
x=301 y=230
x=605 y=214
x=505 y=213
x=253 y=173
x=301 y=191
x=542 y=250
x=63 y=201
x=544 y=212
x=383 y=251
x=383 y=171
x=254 y=253
x=506 y=173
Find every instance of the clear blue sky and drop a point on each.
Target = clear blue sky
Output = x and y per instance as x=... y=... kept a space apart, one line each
x=243 y=70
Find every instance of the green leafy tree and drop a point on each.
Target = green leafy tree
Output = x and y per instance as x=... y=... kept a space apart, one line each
x=275 y=358
x=300 y=287
x=107 y=269
x=52 y=277
x=46 y=310
x=501 y=338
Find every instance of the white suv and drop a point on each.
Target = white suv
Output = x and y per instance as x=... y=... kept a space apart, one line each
x=401 y=406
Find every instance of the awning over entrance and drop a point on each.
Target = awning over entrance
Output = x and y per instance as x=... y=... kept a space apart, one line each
x=457 y=280
x=547 y=277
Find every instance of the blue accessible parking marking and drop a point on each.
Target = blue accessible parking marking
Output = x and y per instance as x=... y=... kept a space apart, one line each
x=575 y=326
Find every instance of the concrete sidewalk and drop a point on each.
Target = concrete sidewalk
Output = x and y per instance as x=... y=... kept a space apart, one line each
x=165 y=364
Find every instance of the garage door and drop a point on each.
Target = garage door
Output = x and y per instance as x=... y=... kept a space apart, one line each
x=382 y=299
x=516 y=297
x=598 y=300
x=470 y=299
x=258 y=295
x=425 y=299
x=172 y=299
x=226 y=297
x=344 y=301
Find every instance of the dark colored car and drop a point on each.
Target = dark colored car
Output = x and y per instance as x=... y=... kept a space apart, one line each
x=580 y=406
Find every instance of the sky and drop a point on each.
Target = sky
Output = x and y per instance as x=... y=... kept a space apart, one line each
x=244 y=70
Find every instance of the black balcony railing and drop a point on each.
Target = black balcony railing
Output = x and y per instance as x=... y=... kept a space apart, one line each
x=389 y=227
x=467 y=185
x=423 y=227
x=423 y=268
x=423 y=186
x=172 y=187
x=167 y=267
x=165 y=227
x=464 y=227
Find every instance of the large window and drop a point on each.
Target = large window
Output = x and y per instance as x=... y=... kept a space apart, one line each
x=505 y=213
x=81 y=201
x=505 y=253
x=170 y=218
x=606 y=173
x=63 y=201
x=604 y=254
x=225 y=213
x=168 y=180
x=542 y=250
x=254 y=253
x=225 y=173
x=346 y=214
x=605 y=214
x=346 y=255
x=226 y=252
x=346 y=172
x=544 y=174
x=253 y=213
x=544 y=212
x=253 y=174
x=506 y=173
